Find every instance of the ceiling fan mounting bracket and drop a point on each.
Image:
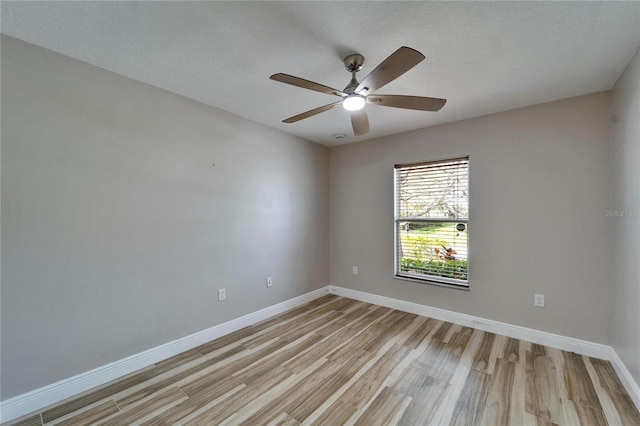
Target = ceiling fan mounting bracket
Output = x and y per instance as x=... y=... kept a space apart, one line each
x=353 y=63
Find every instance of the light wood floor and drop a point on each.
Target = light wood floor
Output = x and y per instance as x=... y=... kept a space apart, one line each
x=338 y=361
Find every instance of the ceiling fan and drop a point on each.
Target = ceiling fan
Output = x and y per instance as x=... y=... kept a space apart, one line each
x=356 y=95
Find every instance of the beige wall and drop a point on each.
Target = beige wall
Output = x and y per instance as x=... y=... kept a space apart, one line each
x=125 y=208
x=626 y=228
x=539 y=183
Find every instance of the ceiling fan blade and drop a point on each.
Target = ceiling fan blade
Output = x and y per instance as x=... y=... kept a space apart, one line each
x=408 y=102
x=360 y=122
x=306 y=84
x=312 y=112
x=400 y=61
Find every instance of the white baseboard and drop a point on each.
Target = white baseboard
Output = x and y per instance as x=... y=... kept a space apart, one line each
x=626 y=378
x=582 y=347
x=40 y=398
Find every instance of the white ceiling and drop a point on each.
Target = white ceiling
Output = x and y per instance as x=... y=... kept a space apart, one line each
x=483 y=57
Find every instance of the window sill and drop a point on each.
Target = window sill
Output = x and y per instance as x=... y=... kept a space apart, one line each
x=442 y=283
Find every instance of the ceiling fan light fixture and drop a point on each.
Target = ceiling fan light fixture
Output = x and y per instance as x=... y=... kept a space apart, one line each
x=354 y=102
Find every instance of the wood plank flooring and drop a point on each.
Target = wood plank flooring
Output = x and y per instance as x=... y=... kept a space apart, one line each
x=338 y=361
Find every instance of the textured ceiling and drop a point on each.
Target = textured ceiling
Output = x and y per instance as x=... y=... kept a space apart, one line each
x=483 y=57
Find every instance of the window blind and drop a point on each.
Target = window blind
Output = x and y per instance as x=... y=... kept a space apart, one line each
x=431 y=221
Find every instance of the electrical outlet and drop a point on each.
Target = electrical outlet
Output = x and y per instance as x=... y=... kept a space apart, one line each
x=222 y=294
x=538 y=300
x=269 y=282
x=355 y=270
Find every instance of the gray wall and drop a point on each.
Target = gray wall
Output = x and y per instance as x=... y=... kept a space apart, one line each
x=626 y=228
x=125 y=208
x=539 y=183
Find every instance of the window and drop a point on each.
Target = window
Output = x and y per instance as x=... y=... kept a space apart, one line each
x=431 y=221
